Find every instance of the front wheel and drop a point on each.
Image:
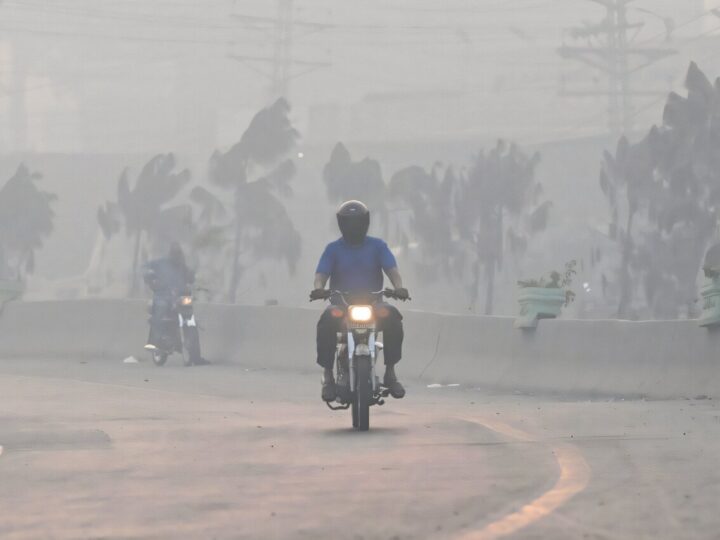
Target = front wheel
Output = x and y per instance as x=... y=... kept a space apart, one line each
x=159 y=358
x=363 y=394
x=191 y=345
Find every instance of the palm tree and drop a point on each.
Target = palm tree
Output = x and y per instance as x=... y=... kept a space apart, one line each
x=212 y=234
x=143 y=208
x=500 y=185
x=26 y=219
x=428 y=198
x=684 y=205
x=256 y=169
x=664 y=197
x=346 y=179
x=626 y=180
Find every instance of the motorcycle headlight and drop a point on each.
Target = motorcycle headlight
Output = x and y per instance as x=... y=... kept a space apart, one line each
x=186 y=300
x=360 y=313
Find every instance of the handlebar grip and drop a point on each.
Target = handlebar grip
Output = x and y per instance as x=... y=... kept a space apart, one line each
x=390 y=293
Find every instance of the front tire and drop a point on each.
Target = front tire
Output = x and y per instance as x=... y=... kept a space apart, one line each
x=191 y=345
x=363 y=394
x=159 y=358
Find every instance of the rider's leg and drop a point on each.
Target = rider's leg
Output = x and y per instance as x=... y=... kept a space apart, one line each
x=390 y=322
x=157 y=314
x=327 y=329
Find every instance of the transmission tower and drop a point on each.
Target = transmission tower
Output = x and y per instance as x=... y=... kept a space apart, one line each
x=609 y=48
x=282 y=30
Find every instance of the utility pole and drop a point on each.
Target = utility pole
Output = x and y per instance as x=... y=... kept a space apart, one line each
x=283 y=65
x=18 y=99
x=282 y=59
x=16 y=89
x=609 y=48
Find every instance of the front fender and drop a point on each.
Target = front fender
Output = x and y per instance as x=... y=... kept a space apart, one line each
x=362 y=349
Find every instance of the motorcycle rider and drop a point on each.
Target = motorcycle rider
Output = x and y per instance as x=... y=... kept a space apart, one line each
x=167 y=277
x=356 y=262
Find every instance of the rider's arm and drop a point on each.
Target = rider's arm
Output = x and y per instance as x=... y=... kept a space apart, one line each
x=320 y=280
x=393 y=275
x=324 y=267
x=401 y=293
x=149 y=275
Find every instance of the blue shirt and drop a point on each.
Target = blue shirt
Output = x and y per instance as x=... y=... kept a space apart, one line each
x=356 y=268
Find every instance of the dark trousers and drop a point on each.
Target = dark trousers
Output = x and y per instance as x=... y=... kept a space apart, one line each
x=389 y=322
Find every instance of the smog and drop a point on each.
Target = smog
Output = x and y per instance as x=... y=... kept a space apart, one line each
x=381 y=270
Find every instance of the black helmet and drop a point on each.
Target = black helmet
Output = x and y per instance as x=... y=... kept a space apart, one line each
x=354 y=221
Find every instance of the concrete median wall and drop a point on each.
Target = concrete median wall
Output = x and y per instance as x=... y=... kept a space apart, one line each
x=654 y=359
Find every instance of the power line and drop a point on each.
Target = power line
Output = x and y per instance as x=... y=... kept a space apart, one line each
x=104 y=14
x=686 y=23
x=115 y=37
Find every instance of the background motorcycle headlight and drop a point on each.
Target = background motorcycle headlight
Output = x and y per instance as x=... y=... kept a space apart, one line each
x=360 y=313
x=186 y=300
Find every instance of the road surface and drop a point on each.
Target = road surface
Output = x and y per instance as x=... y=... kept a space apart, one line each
x=113 y=450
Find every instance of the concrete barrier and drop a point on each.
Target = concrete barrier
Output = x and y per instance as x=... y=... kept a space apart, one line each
x=654 y=359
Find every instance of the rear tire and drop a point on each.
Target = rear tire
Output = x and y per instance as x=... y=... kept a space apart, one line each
x=363 y=394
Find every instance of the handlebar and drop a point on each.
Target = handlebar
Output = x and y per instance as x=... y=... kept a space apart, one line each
x=388 y=292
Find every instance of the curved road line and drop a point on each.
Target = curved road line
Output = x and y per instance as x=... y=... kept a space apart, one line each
x=574 y=471
x=574 y=477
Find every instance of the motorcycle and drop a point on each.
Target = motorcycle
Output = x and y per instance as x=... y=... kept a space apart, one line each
x=358 y=386
x=173 y=328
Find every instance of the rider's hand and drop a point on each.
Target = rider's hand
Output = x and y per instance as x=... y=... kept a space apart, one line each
x=319 y=294
x=401 y=293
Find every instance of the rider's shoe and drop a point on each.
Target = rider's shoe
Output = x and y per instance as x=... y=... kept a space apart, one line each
x=391 y=383
x=201 y=362
x=329 y=392
x=150 y=347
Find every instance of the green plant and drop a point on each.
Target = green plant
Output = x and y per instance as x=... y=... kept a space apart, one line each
x=555 y=280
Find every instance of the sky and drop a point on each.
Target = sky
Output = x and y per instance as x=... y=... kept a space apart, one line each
x=97 y=76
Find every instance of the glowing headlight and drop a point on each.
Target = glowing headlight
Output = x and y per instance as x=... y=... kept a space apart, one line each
x=360 y=313
x=186 y=300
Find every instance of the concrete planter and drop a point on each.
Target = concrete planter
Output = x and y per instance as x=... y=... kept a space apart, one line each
x=711 y=303
x=538 y=303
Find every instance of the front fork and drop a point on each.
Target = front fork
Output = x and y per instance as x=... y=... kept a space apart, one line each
x=186 y=319
x=351 y=349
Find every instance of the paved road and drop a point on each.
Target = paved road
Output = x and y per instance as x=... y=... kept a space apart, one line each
x=99 y=450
